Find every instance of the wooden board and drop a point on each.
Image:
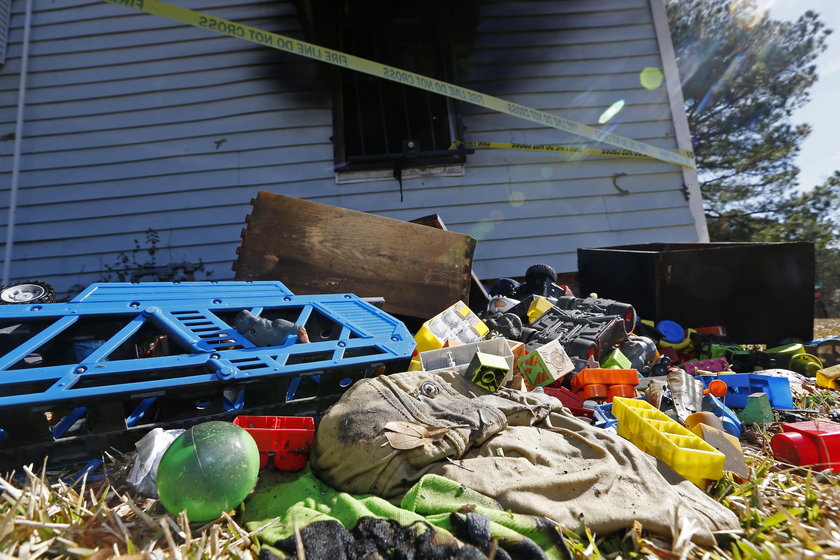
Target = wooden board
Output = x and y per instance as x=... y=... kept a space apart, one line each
x=478 y=293
x=316 y=248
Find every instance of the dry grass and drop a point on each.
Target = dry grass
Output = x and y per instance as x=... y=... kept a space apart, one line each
x=826 y=327
x=42 y=515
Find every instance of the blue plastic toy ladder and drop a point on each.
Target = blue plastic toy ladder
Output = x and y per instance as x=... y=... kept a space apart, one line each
x=120 y=358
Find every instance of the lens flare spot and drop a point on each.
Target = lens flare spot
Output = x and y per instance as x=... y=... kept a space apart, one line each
x=497 y=215
x=749 y=13
x=516 y=198
x=651 y=77
x=481 y=229
x=547 y=172
x=611 y=111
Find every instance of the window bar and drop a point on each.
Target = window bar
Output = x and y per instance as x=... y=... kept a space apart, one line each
x=382 y=114
x=406 y=113
x=359 y=115
x=356 y=77
x=381 y=97
x=431 y=119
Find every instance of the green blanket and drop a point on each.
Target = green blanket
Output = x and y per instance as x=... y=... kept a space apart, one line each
x=434 y=503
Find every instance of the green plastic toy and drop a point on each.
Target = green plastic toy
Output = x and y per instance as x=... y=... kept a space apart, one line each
x=207 y=470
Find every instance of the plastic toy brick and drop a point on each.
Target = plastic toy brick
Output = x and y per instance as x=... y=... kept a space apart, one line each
x=487 y=370
x=538 y=306
x=657 y=434
x=626 y=391
x=288 y=438
x=712 y=365
x=569 y=400
x=616 y=359
x=605 y=377
x=462 y=354
x=757 y=411
x=456 y=322
x=518 y=350
x=829 y=378
x=594 y=392
x=811 y=443
x=725 y=351
x=741 y=385
x=546 y=364
x=604 y=384
x=717 y=330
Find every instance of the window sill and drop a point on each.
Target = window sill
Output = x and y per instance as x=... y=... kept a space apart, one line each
x=365 y=175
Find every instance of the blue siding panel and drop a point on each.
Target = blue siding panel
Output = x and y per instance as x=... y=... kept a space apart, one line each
x=135 y=122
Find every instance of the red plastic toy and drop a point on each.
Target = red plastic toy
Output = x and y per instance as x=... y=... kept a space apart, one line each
x=288 y=437
x=810 y=443
x=569 y=400
x=604 y=384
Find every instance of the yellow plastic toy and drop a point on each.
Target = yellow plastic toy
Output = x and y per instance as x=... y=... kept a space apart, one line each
x=457 y=323
x=539 y=306
x=655 y=433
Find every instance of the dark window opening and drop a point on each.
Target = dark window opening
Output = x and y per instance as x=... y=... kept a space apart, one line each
x=380 y=123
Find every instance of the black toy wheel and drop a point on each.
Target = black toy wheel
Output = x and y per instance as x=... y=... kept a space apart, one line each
x=31 y=291
x=537 y=271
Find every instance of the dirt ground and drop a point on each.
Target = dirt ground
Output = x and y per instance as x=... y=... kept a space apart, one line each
x=826 y=327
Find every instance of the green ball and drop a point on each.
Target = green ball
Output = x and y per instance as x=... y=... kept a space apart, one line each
x=207 y=470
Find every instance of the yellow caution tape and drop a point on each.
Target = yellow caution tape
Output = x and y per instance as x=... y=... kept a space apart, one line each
x=337 y=58
x=558 y=149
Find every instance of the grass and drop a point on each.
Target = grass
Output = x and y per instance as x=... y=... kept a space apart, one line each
x=785 y=512
x=41 y=515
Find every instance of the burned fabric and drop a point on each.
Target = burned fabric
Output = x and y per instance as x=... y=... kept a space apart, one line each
x=370 y=539
x=521 y=449
x=437 y=514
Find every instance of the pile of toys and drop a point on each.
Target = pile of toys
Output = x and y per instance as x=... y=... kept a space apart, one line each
x=683 y=395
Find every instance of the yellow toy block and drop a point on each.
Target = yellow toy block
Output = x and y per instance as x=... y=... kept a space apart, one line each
x=539 y=306
x=415 y=365
x=829 y=378
x=655 y=433
x=455 y=323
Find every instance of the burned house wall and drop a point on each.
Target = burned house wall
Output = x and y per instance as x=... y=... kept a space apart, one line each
x=134 y=122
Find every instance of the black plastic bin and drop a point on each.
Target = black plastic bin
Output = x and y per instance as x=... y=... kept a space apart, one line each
x=763 y=293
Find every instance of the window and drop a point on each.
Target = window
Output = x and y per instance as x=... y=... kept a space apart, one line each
x=383 y=127
x=380 y=124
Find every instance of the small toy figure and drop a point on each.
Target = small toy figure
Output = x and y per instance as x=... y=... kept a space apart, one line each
x=264 y=332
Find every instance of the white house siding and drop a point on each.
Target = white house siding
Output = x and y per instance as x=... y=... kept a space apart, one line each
x=135 y=122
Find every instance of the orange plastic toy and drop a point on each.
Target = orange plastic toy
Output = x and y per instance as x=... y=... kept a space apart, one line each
x=604 y=384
